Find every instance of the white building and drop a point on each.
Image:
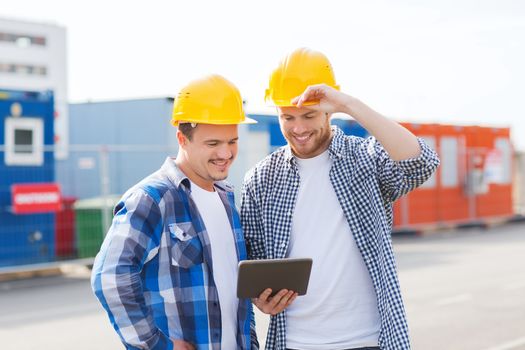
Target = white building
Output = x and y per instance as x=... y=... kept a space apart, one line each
x=33 y=57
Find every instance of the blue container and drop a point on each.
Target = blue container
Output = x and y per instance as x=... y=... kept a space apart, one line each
x=26 y=238
x=270 y=123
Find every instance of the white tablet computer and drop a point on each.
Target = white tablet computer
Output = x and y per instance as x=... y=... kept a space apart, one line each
x=257 y=275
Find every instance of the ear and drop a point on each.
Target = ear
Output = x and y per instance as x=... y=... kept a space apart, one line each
x=181 y=139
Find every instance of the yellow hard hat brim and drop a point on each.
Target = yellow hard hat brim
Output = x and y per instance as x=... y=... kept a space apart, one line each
x=216 y=122
x=275 y=102
x=288 y=103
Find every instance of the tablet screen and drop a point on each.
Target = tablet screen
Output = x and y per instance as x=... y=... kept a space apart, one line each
x=257 y=275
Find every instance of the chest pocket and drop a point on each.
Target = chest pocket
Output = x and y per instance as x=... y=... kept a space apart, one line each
x=186 y=247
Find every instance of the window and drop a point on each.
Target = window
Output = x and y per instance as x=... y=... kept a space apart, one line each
x=24 y=141
x=498 y=163
x=22 y=69
x=23 y=40
x=449 y=161
x=431 y=182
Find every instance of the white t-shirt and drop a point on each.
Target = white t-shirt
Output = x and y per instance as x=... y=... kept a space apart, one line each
x=340 y=309
x=224 y=257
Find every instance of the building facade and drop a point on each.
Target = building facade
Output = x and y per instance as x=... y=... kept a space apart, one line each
x=33 y=58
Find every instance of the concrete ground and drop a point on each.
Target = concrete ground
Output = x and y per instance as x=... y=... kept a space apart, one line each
x=463 y=290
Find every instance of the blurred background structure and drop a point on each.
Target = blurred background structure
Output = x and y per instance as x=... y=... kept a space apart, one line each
x=65 y=164
x=86 y=94
x=56 y=209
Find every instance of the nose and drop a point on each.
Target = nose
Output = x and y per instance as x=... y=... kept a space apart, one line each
x=225 y=152
x=299 y=127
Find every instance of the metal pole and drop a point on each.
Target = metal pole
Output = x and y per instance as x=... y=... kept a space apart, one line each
x=105 y=190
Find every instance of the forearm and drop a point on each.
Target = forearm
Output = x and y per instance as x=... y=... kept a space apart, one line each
x=122 y=297
x=400 y=143
x=254 y=342
x=116 y=278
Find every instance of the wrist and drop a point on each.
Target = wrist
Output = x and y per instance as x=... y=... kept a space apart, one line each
x=349 y=105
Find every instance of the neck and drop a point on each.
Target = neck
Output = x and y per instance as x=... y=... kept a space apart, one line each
x=184 y=166
x=327 y=143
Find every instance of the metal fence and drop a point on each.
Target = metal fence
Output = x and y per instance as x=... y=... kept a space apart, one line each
x=91 y=181
x=93 y=178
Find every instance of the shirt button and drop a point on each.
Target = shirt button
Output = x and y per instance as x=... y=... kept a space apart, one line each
x=215 y=304
x=283 y=245
x=290 y=213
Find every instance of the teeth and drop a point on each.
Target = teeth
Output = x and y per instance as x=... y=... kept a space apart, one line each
x=302 y=138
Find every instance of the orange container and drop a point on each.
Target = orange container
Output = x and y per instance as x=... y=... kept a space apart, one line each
x=472 y=184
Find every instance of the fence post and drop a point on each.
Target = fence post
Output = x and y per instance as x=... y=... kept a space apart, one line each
x=105 y=184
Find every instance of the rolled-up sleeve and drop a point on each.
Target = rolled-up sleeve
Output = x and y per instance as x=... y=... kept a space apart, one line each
x=132 y=240
x=397 y=178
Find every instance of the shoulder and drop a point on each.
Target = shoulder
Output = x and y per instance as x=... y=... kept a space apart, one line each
x=351 y=146
x=150 y=191
x=266 y=168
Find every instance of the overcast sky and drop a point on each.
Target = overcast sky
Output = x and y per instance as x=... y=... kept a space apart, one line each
x=437 y=61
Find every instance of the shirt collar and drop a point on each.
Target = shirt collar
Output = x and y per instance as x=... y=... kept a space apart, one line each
x=337 y=144
x=178 y=177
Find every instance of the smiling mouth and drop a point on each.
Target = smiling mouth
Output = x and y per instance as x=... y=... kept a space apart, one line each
x=302 y=139
x=220 y=163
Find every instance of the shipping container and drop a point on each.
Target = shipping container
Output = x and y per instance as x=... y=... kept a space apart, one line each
x=29 y=196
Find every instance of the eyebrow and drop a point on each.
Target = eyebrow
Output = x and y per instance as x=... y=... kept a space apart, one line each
x=302 y=115
x=220 y=141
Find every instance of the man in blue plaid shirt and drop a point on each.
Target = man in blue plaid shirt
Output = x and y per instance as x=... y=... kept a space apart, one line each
x=166 y=272
x=329 y=197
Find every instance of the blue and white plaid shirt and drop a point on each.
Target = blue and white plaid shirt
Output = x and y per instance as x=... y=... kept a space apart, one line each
x=154 y=272
x=366 y=181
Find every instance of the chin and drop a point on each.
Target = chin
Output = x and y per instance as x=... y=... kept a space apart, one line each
x=304 y=151
x=219 y=177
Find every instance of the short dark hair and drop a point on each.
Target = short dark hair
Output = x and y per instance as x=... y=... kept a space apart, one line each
x=187 y=129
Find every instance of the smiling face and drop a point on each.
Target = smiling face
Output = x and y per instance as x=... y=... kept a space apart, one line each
x=208 y=155
x=307 y=131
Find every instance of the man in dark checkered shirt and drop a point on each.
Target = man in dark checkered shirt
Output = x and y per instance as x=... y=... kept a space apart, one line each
x=329 y=196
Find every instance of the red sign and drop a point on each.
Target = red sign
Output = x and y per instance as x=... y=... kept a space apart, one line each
x=35 y=198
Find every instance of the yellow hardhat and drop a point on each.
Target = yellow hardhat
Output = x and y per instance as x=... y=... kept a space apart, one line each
x=298 y=70
x=209 y=100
